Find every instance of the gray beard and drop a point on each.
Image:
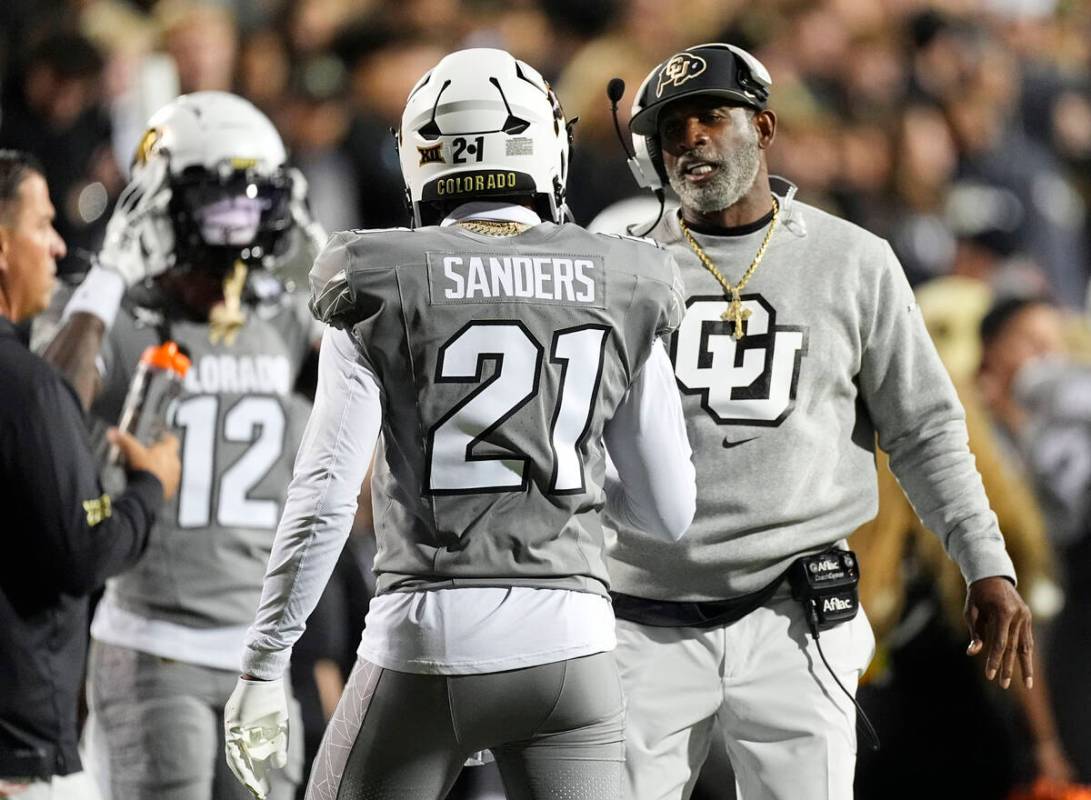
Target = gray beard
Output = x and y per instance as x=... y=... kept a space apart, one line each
x=736 y=174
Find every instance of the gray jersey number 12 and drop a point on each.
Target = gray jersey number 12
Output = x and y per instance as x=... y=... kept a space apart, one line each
x=198 y=417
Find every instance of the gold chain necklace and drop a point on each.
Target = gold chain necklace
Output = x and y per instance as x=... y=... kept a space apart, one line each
x=227 y=317
x=492 y=227
x=735 y=312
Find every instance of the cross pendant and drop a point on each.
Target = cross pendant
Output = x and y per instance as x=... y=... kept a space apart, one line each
x=737 y=314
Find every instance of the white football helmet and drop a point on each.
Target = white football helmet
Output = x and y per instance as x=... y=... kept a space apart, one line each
x=481 y=125
x=230 y=191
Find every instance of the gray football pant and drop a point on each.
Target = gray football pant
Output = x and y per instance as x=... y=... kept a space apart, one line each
x=556 y=731
x=156 y=730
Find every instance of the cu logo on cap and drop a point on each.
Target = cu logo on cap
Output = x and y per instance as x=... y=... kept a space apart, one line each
x=678 y=70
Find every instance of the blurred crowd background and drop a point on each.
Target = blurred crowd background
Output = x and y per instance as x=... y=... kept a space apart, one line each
x=959 y=130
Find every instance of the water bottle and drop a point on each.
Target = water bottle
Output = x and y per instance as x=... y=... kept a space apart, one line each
x=155 y=386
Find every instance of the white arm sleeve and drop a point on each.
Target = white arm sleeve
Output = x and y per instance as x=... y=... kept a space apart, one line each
x=330 y=467
x=655 y=490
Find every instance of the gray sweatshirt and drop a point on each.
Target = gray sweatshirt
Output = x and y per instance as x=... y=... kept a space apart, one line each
x=783 y=422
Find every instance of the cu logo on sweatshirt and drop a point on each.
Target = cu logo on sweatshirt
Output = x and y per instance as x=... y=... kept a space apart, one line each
x=749 y=381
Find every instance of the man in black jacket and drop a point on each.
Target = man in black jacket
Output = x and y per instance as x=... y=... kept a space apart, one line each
x=61 y=536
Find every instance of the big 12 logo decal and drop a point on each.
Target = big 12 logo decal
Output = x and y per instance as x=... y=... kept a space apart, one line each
x=747 y=381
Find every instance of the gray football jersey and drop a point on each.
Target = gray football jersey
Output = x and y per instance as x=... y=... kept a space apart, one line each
x=239 y=424
x=500 y=360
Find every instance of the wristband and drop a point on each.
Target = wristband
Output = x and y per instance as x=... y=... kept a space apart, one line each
x=100 y=294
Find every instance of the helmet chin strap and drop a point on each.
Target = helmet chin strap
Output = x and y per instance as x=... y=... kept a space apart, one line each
x=227 y=317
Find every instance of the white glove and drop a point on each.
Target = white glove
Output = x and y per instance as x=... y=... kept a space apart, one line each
x=139 y=236
x=313 y=233
x=256 y=732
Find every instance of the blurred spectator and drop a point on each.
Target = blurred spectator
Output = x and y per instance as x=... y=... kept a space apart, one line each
x=574 y=23
x=1041 y=400
x=658 y=29
x=522 y=29
x=1014 y=332
x=264 y=69
x=820 y=45
x=55 y=111
x=137 y=80
x=1057 y=398
x=599 y=175
x=382 y=71
x=20 y=22
x=875 y=75
x=980 y=103
x=312 y=26
x=449 y=19
x=924 y=164
x=201 y=37
x=316 y=122
x=915 y=603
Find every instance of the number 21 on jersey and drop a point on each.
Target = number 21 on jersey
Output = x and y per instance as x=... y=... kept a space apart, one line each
x=454 y=465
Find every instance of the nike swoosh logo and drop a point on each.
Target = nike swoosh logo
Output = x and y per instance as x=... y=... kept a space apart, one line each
x=728 y=445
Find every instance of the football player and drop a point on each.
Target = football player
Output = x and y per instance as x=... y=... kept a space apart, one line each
x=193 y=253
x=491 y=351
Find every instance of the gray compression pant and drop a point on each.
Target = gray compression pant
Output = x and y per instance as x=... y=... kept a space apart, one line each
x=157 y=730
x=556 y=731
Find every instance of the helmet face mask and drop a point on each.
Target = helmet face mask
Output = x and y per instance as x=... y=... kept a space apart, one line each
x=223 y=216
x=482 y=125
x=716 y=69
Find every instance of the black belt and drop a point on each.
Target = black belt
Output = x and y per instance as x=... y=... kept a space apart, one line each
x=690 y=613
x=825 y=582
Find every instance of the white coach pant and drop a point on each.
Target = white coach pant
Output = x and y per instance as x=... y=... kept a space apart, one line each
x=790 y=731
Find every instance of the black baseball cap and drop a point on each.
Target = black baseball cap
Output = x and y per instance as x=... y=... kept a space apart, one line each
x=721 y=70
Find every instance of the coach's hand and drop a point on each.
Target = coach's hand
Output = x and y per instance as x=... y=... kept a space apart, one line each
x=1000 y=625
x=256 y=732
x=160 y=459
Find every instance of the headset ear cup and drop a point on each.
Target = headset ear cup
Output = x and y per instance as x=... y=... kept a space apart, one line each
x=655 y=155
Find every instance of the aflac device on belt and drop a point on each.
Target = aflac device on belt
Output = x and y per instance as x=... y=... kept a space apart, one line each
x=826 y=585
x=155 y=386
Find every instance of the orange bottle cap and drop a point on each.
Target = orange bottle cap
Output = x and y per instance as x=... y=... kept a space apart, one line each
x=166 y=356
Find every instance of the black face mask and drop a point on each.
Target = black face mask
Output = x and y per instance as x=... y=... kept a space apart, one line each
x=253 y=232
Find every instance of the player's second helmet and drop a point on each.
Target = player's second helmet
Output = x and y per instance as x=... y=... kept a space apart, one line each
x=230 y=191
x=721 y=70
x=482 y=125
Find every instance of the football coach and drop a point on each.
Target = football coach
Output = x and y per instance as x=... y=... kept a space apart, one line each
x=61 y=535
